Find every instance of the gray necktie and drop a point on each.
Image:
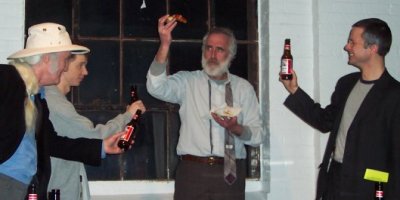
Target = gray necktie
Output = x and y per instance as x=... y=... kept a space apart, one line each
x=229 y=158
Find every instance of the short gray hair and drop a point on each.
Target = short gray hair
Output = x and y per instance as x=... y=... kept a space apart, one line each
x=232 y=40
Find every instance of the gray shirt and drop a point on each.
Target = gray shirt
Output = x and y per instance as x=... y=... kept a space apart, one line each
x=65 y=174
x=353 y=103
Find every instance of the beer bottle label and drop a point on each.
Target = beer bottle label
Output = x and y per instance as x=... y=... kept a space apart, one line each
x=32 y=197
x=286 y=66
x=128 y=132
x=379 y=194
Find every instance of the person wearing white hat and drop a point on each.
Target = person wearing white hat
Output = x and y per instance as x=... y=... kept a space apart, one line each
x=27 y=137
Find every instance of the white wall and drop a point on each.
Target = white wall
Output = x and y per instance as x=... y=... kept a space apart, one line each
x=318 y=30
x=292 y=142
x=11 y=27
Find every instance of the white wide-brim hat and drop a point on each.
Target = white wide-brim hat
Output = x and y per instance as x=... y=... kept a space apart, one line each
x=48 y=38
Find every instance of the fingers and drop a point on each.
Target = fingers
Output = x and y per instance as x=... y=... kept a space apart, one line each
x=139 y=106
x=162 y=20
x=294 y=74
x=216 y=117
x=166 y=23
x=224 y=121
x=290 y=85
x=110 y=144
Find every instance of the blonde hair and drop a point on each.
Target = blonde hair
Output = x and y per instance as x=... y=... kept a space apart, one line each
x=32 y=88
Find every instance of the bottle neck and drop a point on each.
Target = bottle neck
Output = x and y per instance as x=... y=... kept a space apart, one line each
x=134 y=96
x=287 y=47
x=136 y=116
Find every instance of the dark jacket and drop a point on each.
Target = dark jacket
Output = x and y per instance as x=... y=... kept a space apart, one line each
x=12 y=130
x=373 y=138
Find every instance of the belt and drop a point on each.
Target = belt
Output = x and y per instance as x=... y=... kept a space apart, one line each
x=212 y=160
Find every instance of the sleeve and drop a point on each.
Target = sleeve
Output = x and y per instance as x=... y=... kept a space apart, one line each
x=87 y=151
x=252 y=124
x=167 y=88
x=301 y=104
x=83 y=150
x=68 y=122
x=12 y=117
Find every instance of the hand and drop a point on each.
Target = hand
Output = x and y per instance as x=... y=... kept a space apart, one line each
x=110 y=144
x=165 y=28
x=137 y=105
x=290 y=85
x=229 y=123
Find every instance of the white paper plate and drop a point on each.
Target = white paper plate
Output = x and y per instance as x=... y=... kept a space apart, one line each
x=226 y=111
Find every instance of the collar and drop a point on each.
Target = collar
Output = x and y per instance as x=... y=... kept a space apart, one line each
x=218 y=82
x=42 y=92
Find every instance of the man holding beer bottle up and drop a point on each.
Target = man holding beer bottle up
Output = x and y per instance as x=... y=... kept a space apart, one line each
x=363 y=118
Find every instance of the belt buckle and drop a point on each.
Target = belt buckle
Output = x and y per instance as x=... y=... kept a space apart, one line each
x=211 y=161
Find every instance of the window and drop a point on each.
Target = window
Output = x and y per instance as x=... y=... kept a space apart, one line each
x=123 y=39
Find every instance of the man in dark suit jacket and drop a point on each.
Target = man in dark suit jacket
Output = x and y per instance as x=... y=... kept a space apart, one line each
x=27 y=137
x=363 y=119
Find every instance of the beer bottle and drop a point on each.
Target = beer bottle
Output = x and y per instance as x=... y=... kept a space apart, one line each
x=132 y=126
x=32 y=193
x=55 y=194
x=378 y=191
x=287 y=62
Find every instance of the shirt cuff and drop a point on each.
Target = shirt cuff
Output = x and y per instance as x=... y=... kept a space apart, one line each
x=157 y=69
x=246 y=135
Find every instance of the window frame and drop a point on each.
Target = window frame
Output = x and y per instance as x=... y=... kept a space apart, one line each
x=166 y=186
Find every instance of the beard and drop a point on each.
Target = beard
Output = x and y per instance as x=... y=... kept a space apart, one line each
x=214 y=68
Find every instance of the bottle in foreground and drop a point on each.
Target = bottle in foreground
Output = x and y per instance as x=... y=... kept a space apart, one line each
x=287 y=62
x=32 y=192
x=131 y=128
x=378 y=191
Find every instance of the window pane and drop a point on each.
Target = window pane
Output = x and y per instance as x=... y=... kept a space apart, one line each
x=185 y=56
x=99 y=18
x=196 y=12
x=239 y=63
x=233 y=16
x=141 y=17
x=49 y=11
x=137 y=59
x=101 y=86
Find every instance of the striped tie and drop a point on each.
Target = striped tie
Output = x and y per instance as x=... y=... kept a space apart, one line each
x=229 y=158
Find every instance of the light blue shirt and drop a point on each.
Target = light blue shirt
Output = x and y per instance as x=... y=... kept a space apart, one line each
x=23 y=163
x=191 y=91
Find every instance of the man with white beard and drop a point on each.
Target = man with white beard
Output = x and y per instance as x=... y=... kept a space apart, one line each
x=211 y=145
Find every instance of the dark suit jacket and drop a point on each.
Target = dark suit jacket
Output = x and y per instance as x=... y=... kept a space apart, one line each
x=373 y=138
x=12 y=129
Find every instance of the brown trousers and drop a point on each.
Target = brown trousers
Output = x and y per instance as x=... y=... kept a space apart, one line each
x=200 y=181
